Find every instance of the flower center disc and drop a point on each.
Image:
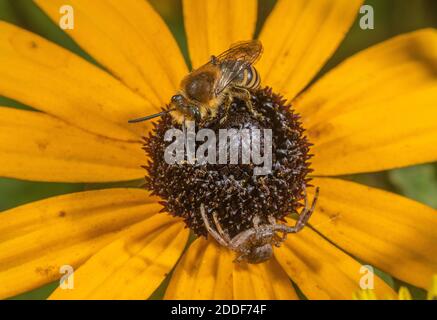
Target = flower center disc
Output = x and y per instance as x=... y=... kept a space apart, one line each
x=232 y=190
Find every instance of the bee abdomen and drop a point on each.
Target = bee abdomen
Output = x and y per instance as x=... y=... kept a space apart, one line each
x=250 y=79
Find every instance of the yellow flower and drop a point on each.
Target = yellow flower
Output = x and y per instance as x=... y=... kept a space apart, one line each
x=376 y=111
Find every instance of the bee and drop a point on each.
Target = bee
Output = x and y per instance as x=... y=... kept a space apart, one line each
x=225 y=77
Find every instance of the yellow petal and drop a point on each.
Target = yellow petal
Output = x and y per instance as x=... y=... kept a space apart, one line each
x=376 y=111
x=130 y=40
x=299 y=36
x=265 y=281
x=207 y=271
x=213 y=25
x=432 y=292
x=36 y=146
x=365 y=295
x=47 y=77
x=321 y=270
x=38 y=238
x=204 y=272
x=133 y=266
x=393 y=233
x=404 y=294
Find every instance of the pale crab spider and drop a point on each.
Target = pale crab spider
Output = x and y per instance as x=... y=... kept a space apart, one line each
x=254 y=245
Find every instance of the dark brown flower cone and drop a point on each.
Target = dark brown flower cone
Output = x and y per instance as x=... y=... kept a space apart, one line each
x=232 y=190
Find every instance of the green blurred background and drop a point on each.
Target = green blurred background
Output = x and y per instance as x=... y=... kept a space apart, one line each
x=392 y=17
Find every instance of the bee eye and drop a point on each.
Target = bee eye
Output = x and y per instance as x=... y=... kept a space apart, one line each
x=177 y=98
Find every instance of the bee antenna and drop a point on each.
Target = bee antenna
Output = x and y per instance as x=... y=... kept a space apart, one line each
x=152 y=116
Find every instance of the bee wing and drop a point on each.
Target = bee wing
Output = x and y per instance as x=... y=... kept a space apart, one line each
x=234 y=60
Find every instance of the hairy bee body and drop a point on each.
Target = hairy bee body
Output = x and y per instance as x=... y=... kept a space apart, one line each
x=225 y=77
x=229 y=75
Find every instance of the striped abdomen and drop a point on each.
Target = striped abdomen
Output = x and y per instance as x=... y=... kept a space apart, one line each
x=248 y=79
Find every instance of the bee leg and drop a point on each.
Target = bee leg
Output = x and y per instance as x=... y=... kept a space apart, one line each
x=243 y=94
x=195 y=113
x=227 y=103
x=210 y=230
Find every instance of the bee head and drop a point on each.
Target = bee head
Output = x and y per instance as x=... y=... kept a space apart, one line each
x=180 y=103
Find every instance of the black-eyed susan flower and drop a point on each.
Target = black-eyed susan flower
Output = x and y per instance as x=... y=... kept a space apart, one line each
x=375 y=111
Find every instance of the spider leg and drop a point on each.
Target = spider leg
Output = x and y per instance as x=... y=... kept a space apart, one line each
x=220 y=230
x=303 y=217
x=272 y=219
x=277 y=240
x=307 y=212
x=243 y=238
x=241 y=242
x=240 y=257
x=210 y=230
x=256 y=222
